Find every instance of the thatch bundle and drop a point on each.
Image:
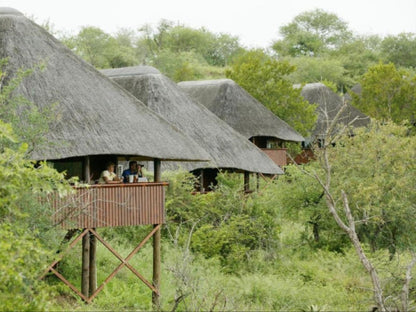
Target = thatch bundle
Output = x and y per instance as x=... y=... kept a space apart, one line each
x=239 y=109
x=227 y=148
x=329 y=104
x=96 y=116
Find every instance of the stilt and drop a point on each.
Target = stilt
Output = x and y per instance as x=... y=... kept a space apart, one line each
x=93 y=264
x=246 y=181
x=156 y=247
x=201 y=181
x=85 y=275
x=258 y=181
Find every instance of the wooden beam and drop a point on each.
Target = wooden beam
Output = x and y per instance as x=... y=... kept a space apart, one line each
x=246 y=181
x=201 y=181
x=156 y=247
x=93 y=264
x=85 y=274
x=87 y=170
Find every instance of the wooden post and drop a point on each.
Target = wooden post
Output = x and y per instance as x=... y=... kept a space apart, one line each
x=201 y=181
x=258 y=181
x=85 y=274
x=246 y=181
x=93 y=264
x=156 y=247
x=87 y=169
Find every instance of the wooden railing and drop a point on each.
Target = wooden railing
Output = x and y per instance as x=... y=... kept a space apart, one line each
x=277 y=155
x=110 y=205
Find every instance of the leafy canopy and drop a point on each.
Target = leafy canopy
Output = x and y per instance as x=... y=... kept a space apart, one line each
x=312 y=33
x=266 y=79
x=387 y=93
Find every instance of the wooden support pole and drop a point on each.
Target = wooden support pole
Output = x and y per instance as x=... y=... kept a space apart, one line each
x=258 y=181
x=156 y=247
x=85 y=274
x=157 y=170
x=201 y=181
x=246 y=181
x=87 y=176
x=93 y=264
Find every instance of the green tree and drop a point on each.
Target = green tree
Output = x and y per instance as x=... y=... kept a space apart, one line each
x=387 y=93
x=101 y=49
x=266 y=79
x=355 y=56
x=25 y=218
x=368 y=184
x=400 y=49
x=317 y=69
x=312 y=33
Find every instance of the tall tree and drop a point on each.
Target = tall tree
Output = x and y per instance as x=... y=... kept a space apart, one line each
x=266 y=79
x=387 y=93
x=400 y=49
x=312 y=33
x=368 y=184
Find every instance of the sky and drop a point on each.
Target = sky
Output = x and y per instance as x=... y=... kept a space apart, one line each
x=255 y=22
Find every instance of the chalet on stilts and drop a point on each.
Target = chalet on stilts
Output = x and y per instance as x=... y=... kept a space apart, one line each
x=329 y=106
x=228 y=149
x=245 y=114
x=96 y=121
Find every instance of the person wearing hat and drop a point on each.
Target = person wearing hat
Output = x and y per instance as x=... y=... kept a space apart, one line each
x=134 y=169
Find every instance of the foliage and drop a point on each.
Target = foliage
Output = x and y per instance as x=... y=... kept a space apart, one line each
x=376 y=169
x=24 y=220
x=387 y=93
x=355 y=56
x=317 y=69
x=400 y=50
x=29 y=122
x=103 y=50
x=266 y=79
x=224 y=223
x=312 y=34
x=21 y=256
x=24 y=216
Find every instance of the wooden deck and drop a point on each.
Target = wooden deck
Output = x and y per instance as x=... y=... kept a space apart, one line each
x=277 y=155
x=110 y=205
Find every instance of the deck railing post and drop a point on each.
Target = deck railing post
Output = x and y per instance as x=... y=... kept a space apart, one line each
x=156 y=246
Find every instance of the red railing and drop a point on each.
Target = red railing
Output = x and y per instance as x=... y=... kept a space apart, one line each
x=277 y=155
x=109 y=205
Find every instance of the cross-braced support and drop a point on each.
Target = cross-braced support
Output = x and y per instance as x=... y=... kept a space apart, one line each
x=84 y=294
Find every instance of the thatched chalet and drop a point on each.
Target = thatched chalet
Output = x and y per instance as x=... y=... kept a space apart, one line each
x=328 y=105
x=96 y=121
x=245 y=114
x=228 y=149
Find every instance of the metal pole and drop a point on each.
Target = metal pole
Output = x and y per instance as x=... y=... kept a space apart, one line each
x=156 y=247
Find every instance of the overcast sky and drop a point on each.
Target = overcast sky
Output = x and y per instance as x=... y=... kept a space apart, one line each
x=255 y=22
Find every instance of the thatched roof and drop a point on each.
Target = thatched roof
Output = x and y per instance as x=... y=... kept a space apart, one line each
x=227 y=148
x=356 y=89
x=329 y=104
x=97 y=116
x=239 y=109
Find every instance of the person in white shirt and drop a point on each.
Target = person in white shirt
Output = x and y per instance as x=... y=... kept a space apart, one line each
x=108 y=176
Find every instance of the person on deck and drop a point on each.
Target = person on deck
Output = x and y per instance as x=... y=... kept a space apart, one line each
x=134 y=169
x=108 y=175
